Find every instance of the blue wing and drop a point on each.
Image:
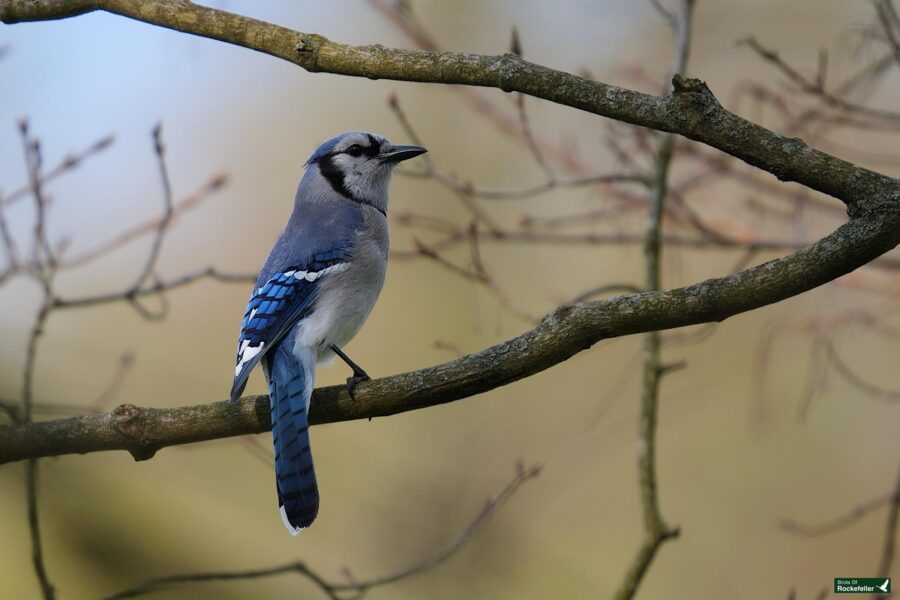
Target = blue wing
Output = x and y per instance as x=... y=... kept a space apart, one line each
x=278 y=305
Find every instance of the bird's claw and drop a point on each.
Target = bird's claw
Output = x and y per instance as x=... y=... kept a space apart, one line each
x=353 y=381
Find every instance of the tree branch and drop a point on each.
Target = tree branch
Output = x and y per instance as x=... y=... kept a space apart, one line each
x=656 y=530
x=563 y=333
x=691 y=110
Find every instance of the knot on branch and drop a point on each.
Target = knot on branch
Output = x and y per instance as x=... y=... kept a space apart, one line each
x=306 y=49
x=692 y=101
x=689 y=85
x=129 y=421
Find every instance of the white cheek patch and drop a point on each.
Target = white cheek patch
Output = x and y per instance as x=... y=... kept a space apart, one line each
x=246 y=354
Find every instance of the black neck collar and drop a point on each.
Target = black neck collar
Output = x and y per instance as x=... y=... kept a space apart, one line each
x=335 y=178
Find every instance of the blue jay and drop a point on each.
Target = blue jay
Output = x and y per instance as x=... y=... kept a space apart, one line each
x=313 y=294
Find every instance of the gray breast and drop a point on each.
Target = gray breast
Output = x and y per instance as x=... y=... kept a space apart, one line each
x=345 y=300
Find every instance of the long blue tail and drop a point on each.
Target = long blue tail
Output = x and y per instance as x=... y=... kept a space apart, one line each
x=291 y=381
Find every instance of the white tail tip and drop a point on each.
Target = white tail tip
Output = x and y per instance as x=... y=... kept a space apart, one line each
x=294 y=530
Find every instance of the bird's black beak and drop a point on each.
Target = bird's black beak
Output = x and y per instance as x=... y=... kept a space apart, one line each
x=398 y=153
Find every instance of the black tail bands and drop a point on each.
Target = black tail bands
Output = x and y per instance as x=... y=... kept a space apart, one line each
x=295 y=477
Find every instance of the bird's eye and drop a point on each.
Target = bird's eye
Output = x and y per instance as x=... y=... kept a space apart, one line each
x=355 y=150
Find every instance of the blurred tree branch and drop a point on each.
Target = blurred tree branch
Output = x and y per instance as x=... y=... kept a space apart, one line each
x=656 y=530
x=355 y=588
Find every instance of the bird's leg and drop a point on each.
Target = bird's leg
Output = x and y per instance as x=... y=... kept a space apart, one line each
x=359 y=375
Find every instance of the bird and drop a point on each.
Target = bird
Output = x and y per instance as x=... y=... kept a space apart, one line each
x=313 y=294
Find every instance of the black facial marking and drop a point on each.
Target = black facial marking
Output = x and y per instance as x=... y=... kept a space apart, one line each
x=374 y=146
x=335 y=178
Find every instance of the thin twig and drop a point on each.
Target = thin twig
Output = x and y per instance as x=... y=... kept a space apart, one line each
x=151 y=226
x=164 y=583
x=852 y=377
x=665 y=13
x=164 y=221
x=478 y=265
x=122 y=369
x=155 y=288
x=45 y=271
x=890 y=23
x=37 y=553
x=656 y=530
x=42 y=253
x=356 y=588
x=811 y=87
x=840 y=522
x=455 y=184
x=890 y=532
x=12 y=252
x=69 y=163
x=523 y=475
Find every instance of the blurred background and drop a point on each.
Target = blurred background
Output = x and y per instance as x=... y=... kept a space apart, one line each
x=759 y=427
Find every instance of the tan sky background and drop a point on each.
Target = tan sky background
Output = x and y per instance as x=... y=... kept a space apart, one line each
x=734 y=457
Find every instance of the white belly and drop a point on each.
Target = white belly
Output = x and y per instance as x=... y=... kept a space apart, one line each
x=343 y=303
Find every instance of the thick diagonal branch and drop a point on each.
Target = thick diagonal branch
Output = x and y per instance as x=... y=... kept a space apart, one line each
x=562 y=334
x=691 y=110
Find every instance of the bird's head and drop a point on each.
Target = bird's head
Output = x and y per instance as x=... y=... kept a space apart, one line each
x=358 y=165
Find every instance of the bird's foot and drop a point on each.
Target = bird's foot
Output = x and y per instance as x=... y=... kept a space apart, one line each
x=357 y=378
x=358 y=374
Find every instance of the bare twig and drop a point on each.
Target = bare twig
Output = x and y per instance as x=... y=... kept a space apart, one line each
x=69 y=163
x=12 y=252
x=811 y=87
x=523 y=475
x=45 y=271
x=168 y=210
x=656 y=530
x=406 y=22
x=890 y=532
x=890 y=24
x=43 y=267
x=356 y=588
x=852 y=377
x=37 y=553
x=840 y=522
x=525 y=124
x=125 y=363
x=467 y=189
x=423 y=249
x=665 y=13
x=42 y=254
x=157 y=287
x=149 y=227
x=164 y=583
